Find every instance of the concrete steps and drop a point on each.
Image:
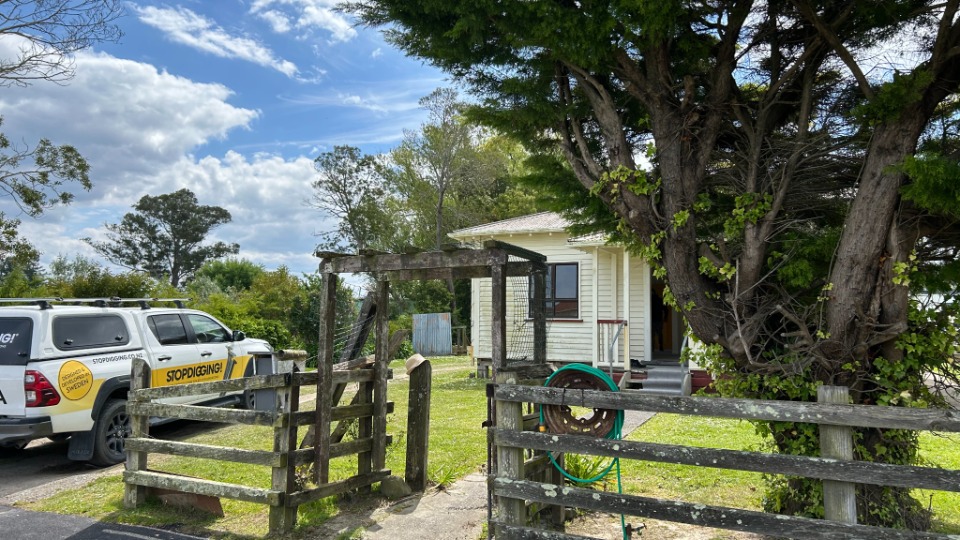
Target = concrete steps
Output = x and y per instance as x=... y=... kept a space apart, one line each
x=660 y=379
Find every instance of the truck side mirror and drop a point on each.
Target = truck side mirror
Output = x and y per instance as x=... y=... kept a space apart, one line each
x=238 y=335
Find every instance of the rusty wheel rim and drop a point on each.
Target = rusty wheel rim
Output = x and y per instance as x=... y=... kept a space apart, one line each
x=562 y=419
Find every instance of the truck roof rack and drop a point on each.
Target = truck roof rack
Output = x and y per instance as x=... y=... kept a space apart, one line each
x=46 y=303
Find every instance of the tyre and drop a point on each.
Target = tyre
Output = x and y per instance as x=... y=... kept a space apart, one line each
x=110 y=433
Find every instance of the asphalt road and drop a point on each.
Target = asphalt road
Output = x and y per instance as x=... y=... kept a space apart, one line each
x=27 y=473
x=42 y=462
x=26 y=525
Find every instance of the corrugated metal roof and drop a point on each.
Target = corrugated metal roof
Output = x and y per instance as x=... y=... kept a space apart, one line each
x=533 y=223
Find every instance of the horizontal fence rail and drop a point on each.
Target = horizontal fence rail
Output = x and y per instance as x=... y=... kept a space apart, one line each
x=510 y=437
x=861 y=472
x=286 y=493
x=775 y=525
x=870 y=416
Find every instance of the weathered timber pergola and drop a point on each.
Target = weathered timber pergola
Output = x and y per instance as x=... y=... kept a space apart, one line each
x=493 y=261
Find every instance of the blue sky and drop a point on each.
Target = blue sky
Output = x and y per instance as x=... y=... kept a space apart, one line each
x=231 y=99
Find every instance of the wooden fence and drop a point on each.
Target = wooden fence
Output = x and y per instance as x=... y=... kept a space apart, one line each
x=285 y=493
x=835 y=467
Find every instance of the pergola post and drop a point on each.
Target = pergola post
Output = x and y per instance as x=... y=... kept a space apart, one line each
x=328 y=302
x=498 y=317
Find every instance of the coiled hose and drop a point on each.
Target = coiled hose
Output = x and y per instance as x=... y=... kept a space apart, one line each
x=615 y=433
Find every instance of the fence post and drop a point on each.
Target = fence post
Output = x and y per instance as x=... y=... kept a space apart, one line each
x=510 y=460
x=134 y=495
x=418 y=426
x=836 y=442
x=325 y=404
x=282 y=518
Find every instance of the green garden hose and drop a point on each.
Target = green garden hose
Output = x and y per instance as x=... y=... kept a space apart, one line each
x=614 y=433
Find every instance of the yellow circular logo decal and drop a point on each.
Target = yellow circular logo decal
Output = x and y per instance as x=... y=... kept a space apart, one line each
x=75 y=380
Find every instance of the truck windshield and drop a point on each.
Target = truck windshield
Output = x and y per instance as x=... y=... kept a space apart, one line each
x=15 y=337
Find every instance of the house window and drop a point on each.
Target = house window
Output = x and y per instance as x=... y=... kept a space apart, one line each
x=562 y=295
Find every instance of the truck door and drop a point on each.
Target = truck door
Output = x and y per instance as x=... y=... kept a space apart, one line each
x=174 y=358
x=16 y=336
x=216 y=349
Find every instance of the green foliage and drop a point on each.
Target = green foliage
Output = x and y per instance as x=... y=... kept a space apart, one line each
x=277 y=307
x=444 y=173
x=805 y=258
x=893 y=96
x=231 y=273
x=85 y=278
x=748 y=208
x=933 y=183
x=720 y=273
x=304 y=314
x=403 y=322
x=351 y=188
x=405 y=350
x=586 y=467
x=17 y=284
x=750 y=109
x=35 y=178
x=929 y=347
x=428 y=296
x=274 y=332
x=164 y=235
x=635 y=180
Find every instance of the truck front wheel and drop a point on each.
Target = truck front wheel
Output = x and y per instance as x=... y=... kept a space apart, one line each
x=112 y=429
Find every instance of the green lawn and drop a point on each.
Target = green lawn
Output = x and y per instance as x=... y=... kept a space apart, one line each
x=694 y=484
x=458 y=447
x=941 y=450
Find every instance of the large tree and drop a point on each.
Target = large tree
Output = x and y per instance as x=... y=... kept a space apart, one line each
x=164 y=236
x=780 y=151
x=441 y=170
x=351 y=189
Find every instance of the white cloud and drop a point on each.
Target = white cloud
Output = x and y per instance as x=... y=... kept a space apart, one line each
x=397 y=96
x=188 y=28
x=138 y=128
x=308 y=15
x=279 y=22
x=377 y=53
x=357 y=101
x=125 y=117
x=265 y=194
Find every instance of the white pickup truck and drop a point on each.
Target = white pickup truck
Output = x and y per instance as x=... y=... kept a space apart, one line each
x=65 y=366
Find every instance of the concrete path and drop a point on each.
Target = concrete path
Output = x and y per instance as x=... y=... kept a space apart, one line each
x=457 y=513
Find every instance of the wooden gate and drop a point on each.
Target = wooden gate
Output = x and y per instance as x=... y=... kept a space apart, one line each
x=286 y=492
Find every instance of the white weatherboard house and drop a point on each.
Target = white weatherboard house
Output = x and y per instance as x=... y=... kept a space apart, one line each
x=604 y=307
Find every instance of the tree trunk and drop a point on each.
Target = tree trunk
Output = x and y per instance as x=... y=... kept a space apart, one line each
x=855 y=310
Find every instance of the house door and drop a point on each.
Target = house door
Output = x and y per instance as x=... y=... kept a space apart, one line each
x=663 y=322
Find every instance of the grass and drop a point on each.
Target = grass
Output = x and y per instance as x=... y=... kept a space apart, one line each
x=941 y=450
x=458 y=447
x=702 y=485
